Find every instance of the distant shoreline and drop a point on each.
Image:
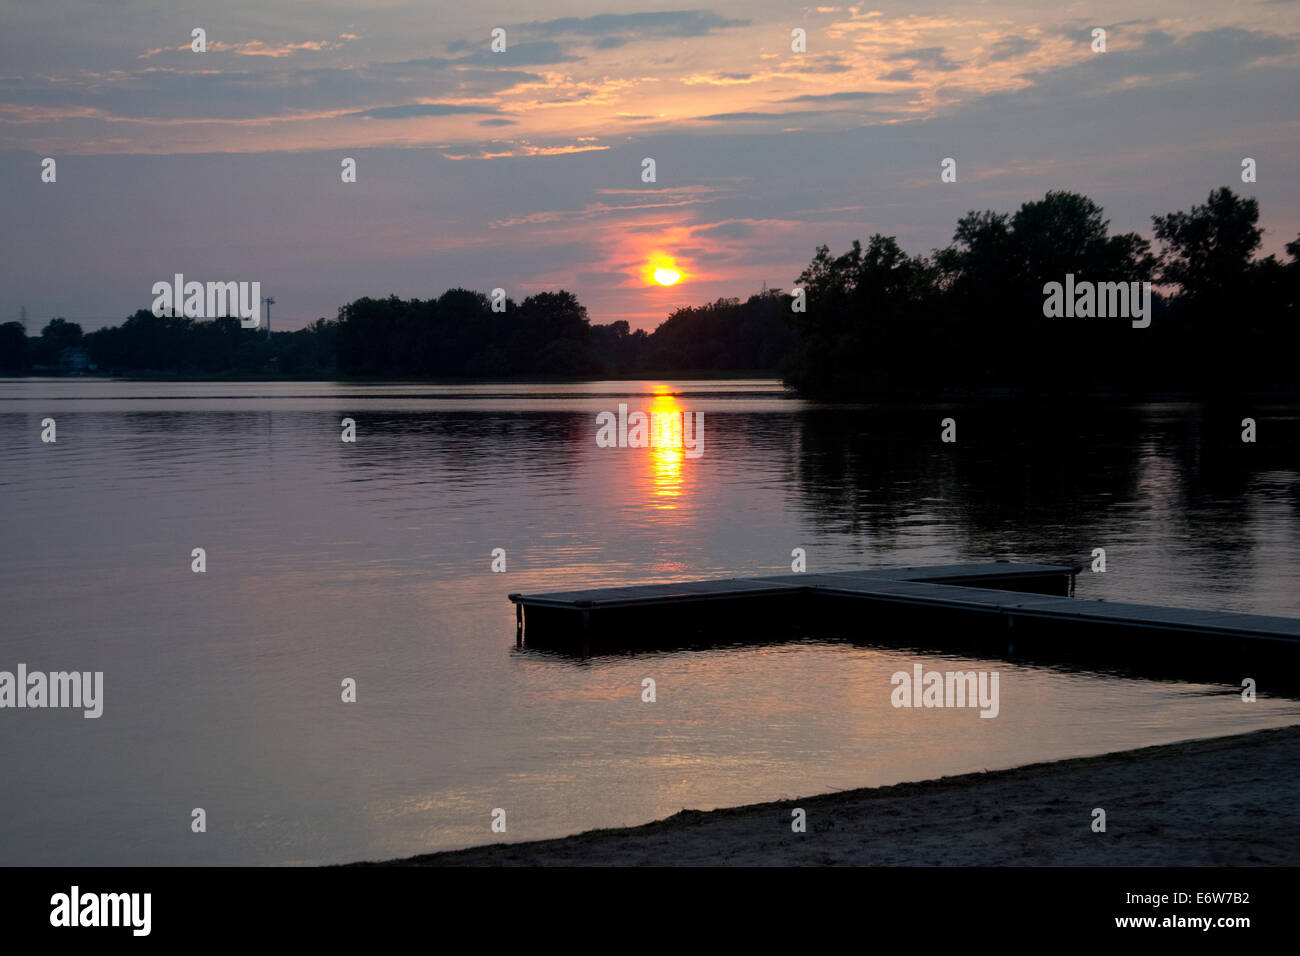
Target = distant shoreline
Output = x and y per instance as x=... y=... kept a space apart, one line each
x=721 y=376
x=1223 y=801
x=891 y=397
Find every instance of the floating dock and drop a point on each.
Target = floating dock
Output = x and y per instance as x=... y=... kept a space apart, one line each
x=638 y=608
x=1002 y=608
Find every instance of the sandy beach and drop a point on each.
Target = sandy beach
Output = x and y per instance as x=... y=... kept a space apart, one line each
x=1226 y=801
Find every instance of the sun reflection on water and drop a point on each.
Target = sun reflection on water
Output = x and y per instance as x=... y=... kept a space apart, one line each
x=666 y=450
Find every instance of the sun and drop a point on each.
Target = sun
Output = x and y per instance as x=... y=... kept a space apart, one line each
x=662 y=269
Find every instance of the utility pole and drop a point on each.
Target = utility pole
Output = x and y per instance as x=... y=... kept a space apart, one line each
x=268 y=301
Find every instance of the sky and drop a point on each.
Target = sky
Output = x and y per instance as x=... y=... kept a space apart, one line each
x=523 y=169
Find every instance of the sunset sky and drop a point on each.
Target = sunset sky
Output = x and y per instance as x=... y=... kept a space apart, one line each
x=522 y=169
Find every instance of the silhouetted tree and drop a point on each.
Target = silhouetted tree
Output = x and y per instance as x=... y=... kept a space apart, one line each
x=1208 y=251
x=882 y=322
x=1234 y=313
x=13 y=347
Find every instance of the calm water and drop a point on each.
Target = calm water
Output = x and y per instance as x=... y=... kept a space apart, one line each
x=371 y=560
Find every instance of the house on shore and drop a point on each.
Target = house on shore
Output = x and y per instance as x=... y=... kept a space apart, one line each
x=76 y=360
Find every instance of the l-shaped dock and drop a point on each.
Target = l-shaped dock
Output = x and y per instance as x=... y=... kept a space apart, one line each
x=1022 y=610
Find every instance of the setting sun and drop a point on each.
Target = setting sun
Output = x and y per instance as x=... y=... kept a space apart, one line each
x=660 y=268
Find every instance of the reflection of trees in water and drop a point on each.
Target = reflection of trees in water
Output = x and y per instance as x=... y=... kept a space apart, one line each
x=468 y=442
x=1043 y=479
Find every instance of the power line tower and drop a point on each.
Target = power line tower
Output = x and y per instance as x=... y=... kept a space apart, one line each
x=269 y=301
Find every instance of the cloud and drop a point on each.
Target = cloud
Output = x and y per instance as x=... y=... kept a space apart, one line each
x=410 y=110
x=756 y=115
x=929 y=58
x=534 y=53
x=666 y=23
x=260 y=89
x=1010 y=47
x=1219 y=52
x=718 y=79
x=258 y=48
x=830 y=68
x=1224 y=47
x=255 y=47
x=728 y=117
x=498 y=121
x=736 y=229
x=846 y=95
x=509 y=150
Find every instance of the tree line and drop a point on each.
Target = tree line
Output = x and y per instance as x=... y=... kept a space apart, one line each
x=456 y=335
x=874 y=321
x=971 y=316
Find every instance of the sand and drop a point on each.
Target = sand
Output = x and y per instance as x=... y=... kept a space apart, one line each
x=1227 y=801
